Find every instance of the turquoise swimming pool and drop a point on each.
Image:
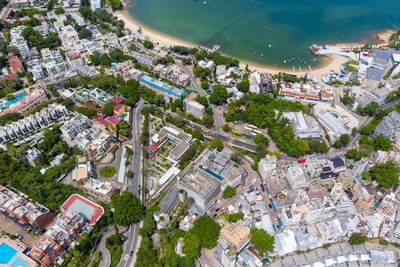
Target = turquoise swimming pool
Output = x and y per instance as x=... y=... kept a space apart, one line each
x=8 y=255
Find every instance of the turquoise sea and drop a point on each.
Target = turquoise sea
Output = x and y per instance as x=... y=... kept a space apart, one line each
x=278 y=29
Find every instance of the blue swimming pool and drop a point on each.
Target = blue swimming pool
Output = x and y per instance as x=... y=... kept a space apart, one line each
x=8 y=255
x=17 y=98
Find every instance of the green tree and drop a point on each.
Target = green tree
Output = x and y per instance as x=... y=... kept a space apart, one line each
x=148 y=44
x=216 y=143
x=368 y=129
x=204 y=84
x=108 y=108
x=357 y=239
x=85 y=33
x=116 y=5
x=191 y=245
x=262 y=241
x=208 y=120
x=105 y=60
x=352 y=153
x=207 y=231
x=235 y=217
x=237 y=157
x=127 y=208
x=386 y=174
x=261 y=139
x=197 y=134
x=226 y=128
x=218 y=95
x=228 y=192
x=243 y=86
x=201 y=72
x=383 y=143
x=202 y=100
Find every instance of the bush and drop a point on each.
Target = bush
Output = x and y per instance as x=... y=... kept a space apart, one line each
x=357 y=239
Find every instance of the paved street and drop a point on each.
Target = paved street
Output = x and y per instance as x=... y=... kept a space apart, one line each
x=134 y=185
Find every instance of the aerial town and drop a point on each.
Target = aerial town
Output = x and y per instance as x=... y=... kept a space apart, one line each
x=119 y=151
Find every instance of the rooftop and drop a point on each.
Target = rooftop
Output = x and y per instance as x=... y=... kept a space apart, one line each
x=162 y=86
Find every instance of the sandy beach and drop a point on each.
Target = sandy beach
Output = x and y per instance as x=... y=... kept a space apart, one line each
x=332 y=62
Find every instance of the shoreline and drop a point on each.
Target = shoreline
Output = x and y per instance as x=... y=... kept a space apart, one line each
x=333 y=62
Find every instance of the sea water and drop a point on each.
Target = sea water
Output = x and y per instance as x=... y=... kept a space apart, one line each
x=267 y=32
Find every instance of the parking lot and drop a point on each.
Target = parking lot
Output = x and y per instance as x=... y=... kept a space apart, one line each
x=8 y=226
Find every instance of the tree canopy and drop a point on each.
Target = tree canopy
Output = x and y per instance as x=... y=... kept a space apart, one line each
x=108 y=108
x=228 y=192
x=219 y=95
x=262 y=241
x=191 y=245
x=127 y=208
x=207 y=231
x=217 y=143
x=383 y=143
x=386 y=174
x=357 y=239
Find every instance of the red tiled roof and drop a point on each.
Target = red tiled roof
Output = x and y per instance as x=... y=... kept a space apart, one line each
x=325 y=94
x=117 y=107
x=11 y=76
x=100 y=119
x=154 y=147
x=91 y=106
x=117 y=100
x=114 y=119
x=16 y=64
x=14 y=58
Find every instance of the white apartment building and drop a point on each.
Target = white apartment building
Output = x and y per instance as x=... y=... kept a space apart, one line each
x=194 y=108
x=71 y=128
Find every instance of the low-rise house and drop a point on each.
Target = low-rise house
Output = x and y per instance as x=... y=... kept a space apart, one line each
x=18 y=206
x=55 y=243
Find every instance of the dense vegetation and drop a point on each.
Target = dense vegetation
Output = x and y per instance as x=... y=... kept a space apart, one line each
x=42 y=188
x=260 y=111
x=262 y=241
x=386 y=174
x=127 y=208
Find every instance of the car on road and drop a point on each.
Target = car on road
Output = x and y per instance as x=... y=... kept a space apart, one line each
x=137 y=132
x=131 y=253
x=270 y=206
x=278 y=226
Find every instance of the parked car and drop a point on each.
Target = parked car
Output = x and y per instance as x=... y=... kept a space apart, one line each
x=262 y=188
x=270 y=206
x=131 y=253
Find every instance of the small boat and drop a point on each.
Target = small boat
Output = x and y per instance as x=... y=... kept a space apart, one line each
x=205 y=2
x=293 y=68
x=284 y=61
x=254 y=53
x=216 y=6
x=269 y=45
x=262 y=55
